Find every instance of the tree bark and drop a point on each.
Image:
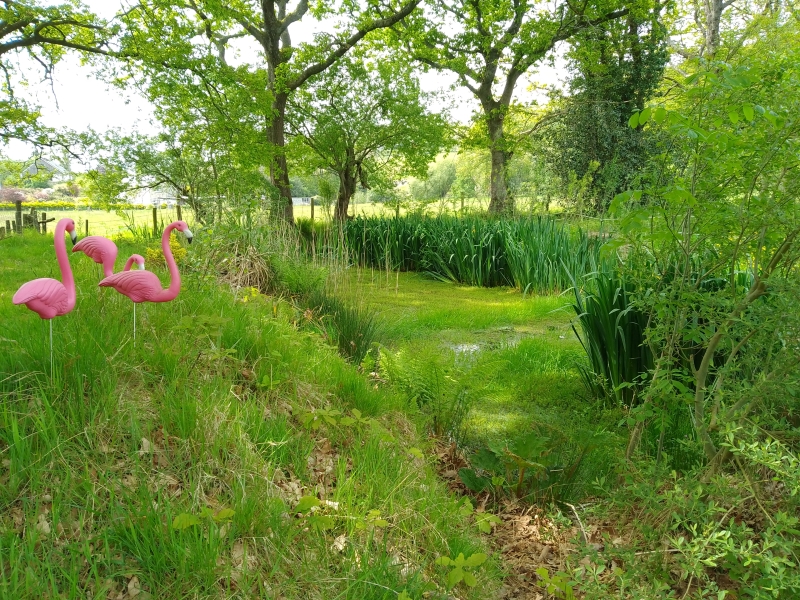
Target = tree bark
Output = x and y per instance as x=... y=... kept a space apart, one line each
x=500 y=203
x=279 y=170
x=347 y=187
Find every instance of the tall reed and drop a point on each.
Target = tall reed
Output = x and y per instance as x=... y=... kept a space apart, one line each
x=529 y=254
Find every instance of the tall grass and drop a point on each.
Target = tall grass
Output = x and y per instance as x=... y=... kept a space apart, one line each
x=528 y=254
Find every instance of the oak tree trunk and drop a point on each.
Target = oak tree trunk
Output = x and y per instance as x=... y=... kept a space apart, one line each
x=279 y=170
x=500 y=202
x=347 y=187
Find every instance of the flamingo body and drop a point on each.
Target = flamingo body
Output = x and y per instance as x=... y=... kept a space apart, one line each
x=46 y=297
x=144 y=286
x=139 y=286
x=101 y=250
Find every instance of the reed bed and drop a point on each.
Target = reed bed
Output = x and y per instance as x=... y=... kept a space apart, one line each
x=533 y=255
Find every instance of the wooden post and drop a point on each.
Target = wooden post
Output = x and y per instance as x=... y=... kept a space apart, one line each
x=312 y=209
x=180 y=218
x=14 y=226
x=44 y=222
x=8 y=226
x=87 y=228
x=35 y=219
x=18 y=216
x=155 y=222
x=2 y=232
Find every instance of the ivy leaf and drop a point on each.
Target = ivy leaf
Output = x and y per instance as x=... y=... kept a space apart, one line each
x=184 y=521
x=305 y=504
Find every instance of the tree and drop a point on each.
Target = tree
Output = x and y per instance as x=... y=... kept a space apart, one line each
x=43 y=34
x=438 y=180
x=366 y=122
x=490 y=45
x=162 y=27
x=614 y=69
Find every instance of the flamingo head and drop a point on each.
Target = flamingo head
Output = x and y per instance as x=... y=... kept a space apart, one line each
x=182 y=226
x=139 y=260
x=72 y=233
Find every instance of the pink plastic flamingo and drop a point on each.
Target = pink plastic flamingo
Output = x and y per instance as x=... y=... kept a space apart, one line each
x=101 y=250
x=47 y=297
x=144 y=286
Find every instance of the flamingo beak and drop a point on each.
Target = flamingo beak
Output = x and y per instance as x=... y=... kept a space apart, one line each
x=141 y=266
x=74 y=237
x=189 y=236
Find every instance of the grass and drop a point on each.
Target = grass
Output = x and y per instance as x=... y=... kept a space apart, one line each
x=517 y=355
x=175 y=466
x=101 y=222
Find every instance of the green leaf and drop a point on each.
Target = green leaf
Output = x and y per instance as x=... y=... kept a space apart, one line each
x=472 y=480
x=747 y=109
x=733 y=115
x=633 y=122
x=476 y=560
x=185 y=520
x=443 y=561
x=226 y=514
x=404 y=596
x=306 y=503
x=321 y=522
x=469 y=579
x=347 y=421
x=416 y=452
x=454 y=577
x=484 y=526
x=460 y=561
x=660 y=114
x=644 y=116
x=356 y=413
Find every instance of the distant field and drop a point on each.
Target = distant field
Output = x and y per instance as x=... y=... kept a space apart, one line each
x=102 y=222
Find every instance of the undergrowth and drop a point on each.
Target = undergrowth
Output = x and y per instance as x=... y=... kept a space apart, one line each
x=228 y=454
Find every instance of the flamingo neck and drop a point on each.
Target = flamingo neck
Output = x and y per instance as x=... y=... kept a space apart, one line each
x=174 y=275
x=128 y=264
x=63 y=263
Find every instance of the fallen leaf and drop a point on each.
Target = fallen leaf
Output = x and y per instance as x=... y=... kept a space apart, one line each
x=42 y=526
x=339 y=543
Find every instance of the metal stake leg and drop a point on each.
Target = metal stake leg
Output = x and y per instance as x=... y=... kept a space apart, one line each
x=52 y=371
x=134 y=324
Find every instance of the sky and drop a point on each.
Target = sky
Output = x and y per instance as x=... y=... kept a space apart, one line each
x=77 y=99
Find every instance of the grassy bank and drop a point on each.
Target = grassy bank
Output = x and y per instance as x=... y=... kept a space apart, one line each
x=226 y=455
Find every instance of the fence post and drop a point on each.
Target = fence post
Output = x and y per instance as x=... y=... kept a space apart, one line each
x=2 y=232
x=155 y=222
x=180 y=218
x=87 y=228
x=8 y=226
x=18 y=216
x=312 y=209
x=35 y=219
x=44 y=222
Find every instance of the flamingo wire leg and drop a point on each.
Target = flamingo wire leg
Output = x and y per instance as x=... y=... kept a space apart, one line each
x=134 y=324
x=52 y=370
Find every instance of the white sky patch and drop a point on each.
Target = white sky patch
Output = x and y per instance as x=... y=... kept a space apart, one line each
x=78 y=100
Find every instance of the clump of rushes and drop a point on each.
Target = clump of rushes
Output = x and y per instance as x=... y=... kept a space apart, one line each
x=532 y=255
